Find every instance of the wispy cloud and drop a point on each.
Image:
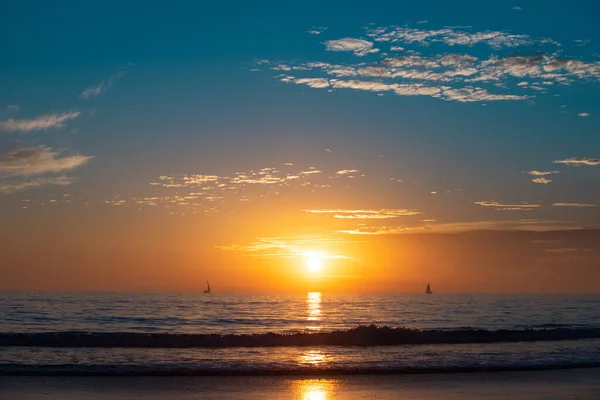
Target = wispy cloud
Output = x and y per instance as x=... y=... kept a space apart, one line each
x=282 y=247
x=576 y=161
x=28 y=161
x=13 y=108
x=24 y=168
x=366 y=214
x=508 y=207
x=346 y=171
x=536 y=225
x=359 y=47
x=7 y=187
x=583 y=115
x=93 y=91
x=566 y=250
x=578 y=205
x=42 y=122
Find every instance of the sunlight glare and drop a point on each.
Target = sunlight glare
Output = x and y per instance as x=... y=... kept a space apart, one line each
x=315 y=389
x=314 y=261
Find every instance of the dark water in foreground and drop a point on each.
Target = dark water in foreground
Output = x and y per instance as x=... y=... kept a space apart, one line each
x=314 y=333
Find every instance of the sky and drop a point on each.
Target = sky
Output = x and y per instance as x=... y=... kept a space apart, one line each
x=153 y=146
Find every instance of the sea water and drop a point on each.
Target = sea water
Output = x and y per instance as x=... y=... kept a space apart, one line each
x=306 y=333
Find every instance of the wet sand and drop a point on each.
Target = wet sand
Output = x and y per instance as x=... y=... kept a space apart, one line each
x=580 y=384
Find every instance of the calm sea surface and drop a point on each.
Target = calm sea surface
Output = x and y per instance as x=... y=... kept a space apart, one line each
x=43 y=319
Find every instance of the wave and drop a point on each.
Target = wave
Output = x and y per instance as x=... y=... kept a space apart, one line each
x=133 y=370
x=371 y=335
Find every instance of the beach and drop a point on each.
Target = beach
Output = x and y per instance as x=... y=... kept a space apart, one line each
x=581 y=384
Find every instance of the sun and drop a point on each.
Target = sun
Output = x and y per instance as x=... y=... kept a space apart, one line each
x=314 y=261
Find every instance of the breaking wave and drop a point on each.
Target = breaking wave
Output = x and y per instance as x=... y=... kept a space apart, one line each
x=371 y=335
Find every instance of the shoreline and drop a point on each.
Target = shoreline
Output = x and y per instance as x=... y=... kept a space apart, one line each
x=583 y=384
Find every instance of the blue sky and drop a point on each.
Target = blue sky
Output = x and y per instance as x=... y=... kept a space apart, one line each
x=460 y=112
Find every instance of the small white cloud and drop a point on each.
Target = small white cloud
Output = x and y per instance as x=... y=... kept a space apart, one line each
x=544 y=181
x=316 y=30
x=346 y=171
x=357 y=46
x=42 y=122
x=316 y=83
x=540 y=173
x=517 y=8
x=583 y=115
x=576 y=161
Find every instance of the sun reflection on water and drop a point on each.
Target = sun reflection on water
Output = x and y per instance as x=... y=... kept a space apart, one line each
x=313 y=305
x=313 y=358
x=314 y=389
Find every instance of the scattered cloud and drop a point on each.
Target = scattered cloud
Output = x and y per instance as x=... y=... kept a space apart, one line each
x=346 y=171
x=508 y=207
x=28 y=161
x=517 y=8
x=464 y=95
x=581 y=42
x=185 y=194
x=577 y=161
x=543 y=181
x=583 y=115
x=359 y=47
x=578 y=205
x=452 y=36
x=42 y=122
x=366 y=214
x=96 y=90
x=448 y=71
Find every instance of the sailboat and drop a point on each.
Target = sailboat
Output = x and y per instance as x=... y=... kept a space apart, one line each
x=207 y=288
x=428 y=290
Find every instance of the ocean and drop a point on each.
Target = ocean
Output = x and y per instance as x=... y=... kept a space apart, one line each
x=108 y=334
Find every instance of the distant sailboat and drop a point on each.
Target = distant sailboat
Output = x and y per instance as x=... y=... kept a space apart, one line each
x=428 y=290
x=207 y=287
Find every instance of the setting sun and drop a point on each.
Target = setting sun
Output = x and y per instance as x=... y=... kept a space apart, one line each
x=314 y=261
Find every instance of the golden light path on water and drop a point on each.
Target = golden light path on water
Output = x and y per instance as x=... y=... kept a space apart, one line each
x=314 y=389
x=313 y=306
